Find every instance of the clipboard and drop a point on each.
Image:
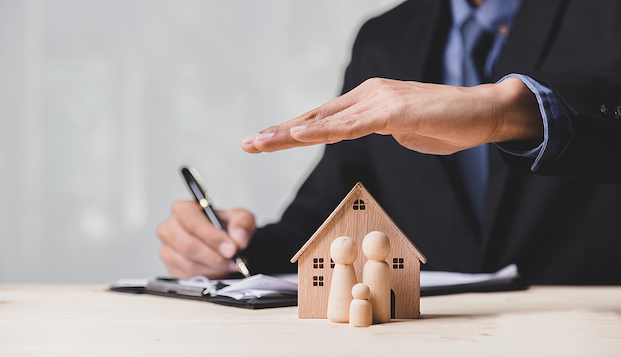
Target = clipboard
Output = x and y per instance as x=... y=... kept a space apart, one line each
x=205 y=290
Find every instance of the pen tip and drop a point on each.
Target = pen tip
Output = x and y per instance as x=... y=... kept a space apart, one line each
x=241 y=266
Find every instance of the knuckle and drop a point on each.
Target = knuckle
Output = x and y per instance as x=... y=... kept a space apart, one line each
x=242 y=217
x=314 y=115
x=323 y=124
x=186 y=247
x=272 y=129
x=386 y=92
x=310 y=116
x=192 y=223
x=350 y=125
x=375 y=81
x=178 y=208
x=162 y=230
x=378 y=83
x=351 y=121
x=378 y=88
x=165 y=254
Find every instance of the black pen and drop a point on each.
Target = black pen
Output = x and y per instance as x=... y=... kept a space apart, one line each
x=193 y=179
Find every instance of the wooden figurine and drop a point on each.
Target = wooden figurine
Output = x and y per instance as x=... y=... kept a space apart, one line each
x=360 y=310
x=344 y=252
x=376 y=274
x=357 y=214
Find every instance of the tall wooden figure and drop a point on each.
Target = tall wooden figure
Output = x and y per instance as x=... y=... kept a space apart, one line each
x=376 y=274
x=344 y=252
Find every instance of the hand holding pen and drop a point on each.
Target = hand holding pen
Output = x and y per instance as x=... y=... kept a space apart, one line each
x=192 y=245
x=194 y=182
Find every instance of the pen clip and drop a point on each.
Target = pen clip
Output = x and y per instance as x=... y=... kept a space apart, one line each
x=195 y=174
x=194 y=182
x=190 y=174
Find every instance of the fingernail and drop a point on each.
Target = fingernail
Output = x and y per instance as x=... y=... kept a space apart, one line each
x=249 y=139
x=264 y=136
x=227 y=249
x=297 y=129
x=232 y=266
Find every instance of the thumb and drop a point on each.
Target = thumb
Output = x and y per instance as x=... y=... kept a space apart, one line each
x=240 y=226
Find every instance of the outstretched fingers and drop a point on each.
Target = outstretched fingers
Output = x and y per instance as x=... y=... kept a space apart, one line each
x=284 y=136
x=353 y=122
x=350 y=124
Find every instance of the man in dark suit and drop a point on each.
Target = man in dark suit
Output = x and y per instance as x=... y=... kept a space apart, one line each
x=552 y=204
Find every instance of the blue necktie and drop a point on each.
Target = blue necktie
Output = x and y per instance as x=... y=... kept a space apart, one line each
x=473 y=163
x=477 y=44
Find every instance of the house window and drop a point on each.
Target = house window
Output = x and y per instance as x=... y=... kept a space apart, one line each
x=397 y=263
x=331 y=263
x=317 y=280
x=317 y=263
x=359 y=205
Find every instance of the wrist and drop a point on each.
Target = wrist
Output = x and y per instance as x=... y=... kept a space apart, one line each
x=517 y=112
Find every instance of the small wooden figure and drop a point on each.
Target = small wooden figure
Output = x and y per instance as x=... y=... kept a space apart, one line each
x=376 y=274
x=360 y=310
x=344 y=252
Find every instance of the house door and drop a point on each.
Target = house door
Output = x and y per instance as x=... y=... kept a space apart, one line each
x=392 y=304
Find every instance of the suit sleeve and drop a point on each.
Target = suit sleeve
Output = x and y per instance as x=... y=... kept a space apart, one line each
x=592 y=103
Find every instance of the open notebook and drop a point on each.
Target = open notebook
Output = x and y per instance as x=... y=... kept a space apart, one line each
x=261 y=291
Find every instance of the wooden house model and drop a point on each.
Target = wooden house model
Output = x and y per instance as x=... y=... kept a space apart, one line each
x=357 y=215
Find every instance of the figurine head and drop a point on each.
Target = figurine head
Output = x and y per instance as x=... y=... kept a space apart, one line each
x=361 y=291
x=376 y=246
x=344 y=250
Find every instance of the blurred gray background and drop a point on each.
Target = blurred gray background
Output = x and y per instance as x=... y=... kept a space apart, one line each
x=102 y=101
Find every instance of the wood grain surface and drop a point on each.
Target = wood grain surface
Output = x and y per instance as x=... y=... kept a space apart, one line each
x=87 y=320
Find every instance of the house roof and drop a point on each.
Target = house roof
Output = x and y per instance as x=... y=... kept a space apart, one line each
x=359 y=188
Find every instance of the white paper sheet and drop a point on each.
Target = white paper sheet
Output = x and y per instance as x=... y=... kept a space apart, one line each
x=131 y=283
x=258 y=286
x=443 y=278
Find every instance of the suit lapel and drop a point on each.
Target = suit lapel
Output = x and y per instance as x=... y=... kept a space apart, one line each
x=421 y=58
x=530 y=37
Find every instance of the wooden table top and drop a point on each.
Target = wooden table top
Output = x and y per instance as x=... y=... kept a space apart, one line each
x=87 y=320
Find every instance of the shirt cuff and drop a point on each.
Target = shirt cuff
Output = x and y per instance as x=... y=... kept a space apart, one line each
x=556 y=127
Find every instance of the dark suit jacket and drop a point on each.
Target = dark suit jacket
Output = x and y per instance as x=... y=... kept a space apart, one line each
x=559 y=229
